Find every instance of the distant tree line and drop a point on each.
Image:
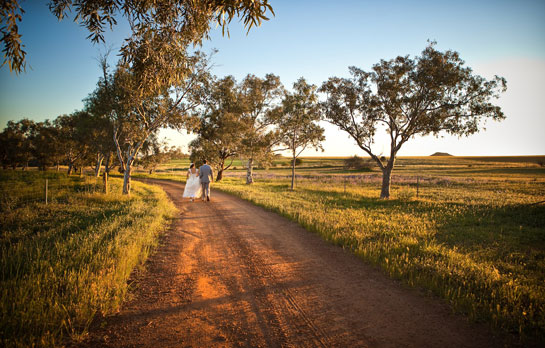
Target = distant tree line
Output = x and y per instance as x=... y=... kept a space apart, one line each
x=76 y=141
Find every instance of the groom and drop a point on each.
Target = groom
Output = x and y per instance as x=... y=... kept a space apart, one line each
x=206 y=175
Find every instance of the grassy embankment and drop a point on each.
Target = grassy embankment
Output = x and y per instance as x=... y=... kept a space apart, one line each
x=64 y=262
x=473 y=235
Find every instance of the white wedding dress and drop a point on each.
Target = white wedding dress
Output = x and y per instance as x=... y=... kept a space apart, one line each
x=193 y=185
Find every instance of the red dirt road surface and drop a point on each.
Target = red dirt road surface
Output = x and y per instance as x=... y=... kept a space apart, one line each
x=229 y=274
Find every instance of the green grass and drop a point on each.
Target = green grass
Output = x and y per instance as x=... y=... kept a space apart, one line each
x=64 y=262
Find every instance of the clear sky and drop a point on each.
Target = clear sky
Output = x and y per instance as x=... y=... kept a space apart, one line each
x=318 y=39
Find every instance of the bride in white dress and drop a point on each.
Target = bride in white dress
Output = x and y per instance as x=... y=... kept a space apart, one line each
x=193 y=183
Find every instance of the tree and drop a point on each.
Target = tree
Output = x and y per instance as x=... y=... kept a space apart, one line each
x=47 y=145
x=15 y=144
x=259 y=98
x=297 y=121
x=221 y=128
x=156 y=155
x=428 y=94
x=140 y=110
x=73 y=133
x=182 y=22
x=100 y=104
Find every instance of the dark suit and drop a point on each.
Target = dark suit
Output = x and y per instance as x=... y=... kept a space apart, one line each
x=205 y=175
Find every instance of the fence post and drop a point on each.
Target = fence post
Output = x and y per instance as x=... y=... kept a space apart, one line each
x=45 y=191
x=417 y=185
x=105 y=175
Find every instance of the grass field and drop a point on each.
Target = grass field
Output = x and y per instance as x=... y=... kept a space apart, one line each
x=66 y=261
x=475 y=235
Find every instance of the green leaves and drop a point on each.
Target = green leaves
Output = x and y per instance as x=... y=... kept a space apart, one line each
x=161 y=27
x=14 y=55
x=298 y=118
x=428 y=94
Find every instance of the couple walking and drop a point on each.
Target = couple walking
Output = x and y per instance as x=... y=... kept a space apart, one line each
x=198 y=182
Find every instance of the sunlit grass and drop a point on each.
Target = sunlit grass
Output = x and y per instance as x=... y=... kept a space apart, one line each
x=64 y=262
x=474 y=234
x=481 y=246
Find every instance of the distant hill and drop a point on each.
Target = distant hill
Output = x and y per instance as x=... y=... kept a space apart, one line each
x=441 y=154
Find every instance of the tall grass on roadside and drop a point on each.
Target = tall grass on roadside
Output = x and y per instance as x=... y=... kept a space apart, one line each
x=479 y=245
x=63 y=262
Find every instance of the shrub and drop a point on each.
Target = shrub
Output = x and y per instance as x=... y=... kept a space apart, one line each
x=357 y=163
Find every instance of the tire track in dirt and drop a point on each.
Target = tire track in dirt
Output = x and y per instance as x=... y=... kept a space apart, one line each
x=230 y=274
x=257 y=271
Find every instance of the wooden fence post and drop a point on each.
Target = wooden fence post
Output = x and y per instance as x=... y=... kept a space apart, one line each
x=105 y=175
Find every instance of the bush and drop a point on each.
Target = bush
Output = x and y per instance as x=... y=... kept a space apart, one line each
x=298 y=161
x=357 y=163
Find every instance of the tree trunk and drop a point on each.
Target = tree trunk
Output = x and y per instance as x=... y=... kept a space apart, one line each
x=386 y=178
x=293 y=171
x=221 y=168
x=127 y=178
x=100 y=158
x=58 y=166
x=249 y=173
x=81 y=171
x=70 y=167
x=105 y=178
x=107 y=163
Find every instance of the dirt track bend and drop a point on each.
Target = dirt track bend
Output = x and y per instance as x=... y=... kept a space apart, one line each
x=229 y=274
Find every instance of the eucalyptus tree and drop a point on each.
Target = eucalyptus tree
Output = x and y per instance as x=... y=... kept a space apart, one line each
x=73 y=138
x=221 y=128
x=15 y=144
x=97 y=135
x=143 y=105
x=156 y=155
x=100 y=104
x=259 y=97
x=47 y=145
x=181 y=21
x=429 y=94
x=297 y=120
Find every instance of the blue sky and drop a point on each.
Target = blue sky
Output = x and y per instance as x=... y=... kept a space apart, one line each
x=317 y=40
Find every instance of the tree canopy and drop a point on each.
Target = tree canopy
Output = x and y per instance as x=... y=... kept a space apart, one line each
x=297 y=119
x=220 y=128
x=429 y=94
x=259 y=96
x=153 y=23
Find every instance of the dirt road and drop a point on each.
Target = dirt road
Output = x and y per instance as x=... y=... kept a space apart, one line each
x=229 y=274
